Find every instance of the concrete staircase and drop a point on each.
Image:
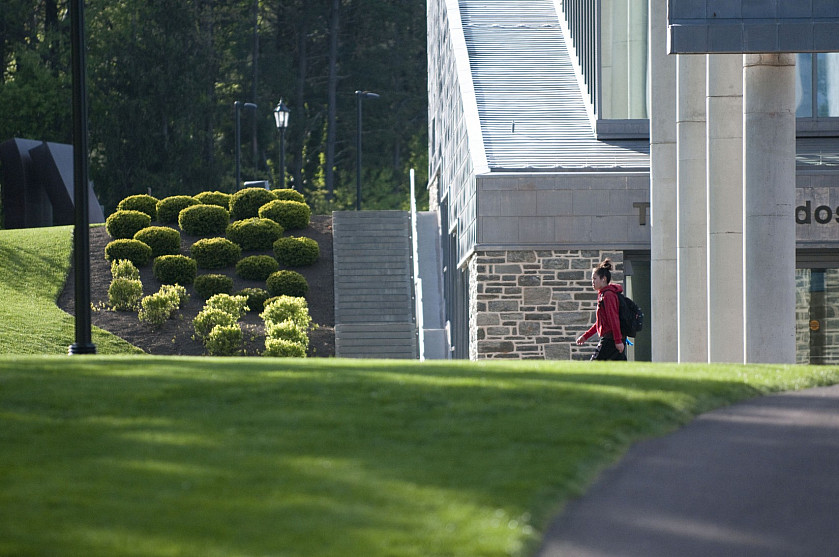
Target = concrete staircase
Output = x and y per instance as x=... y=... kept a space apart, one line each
x=374 y=308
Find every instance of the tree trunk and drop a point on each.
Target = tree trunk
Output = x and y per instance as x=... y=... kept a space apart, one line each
x=332 y=88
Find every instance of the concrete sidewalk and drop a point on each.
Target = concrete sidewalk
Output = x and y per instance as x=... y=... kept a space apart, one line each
x=760 y=478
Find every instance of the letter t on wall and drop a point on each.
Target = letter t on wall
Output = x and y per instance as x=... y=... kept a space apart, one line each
x=642 y=207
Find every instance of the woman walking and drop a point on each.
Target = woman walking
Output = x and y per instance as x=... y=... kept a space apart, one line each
x=607 y=324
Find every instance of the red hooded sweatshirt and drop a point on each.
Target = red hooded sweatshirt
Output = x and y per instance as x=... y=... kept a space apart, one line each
x=608 y=321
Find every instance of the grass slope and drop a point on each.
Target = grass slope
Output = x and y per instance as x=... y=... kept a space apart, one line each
x=151 y=456
x=33 y=267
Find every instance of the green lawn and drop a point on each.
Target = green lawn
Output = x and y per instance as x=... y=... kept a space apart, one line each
x=33 y=267
x=148 y=456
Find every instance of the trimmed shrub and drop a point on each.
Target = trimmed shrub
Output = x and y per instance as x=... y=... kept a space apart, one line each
x=124 y=224
x=287 y=283
x=208 y=318
x=291 y=215
x=170 y=207
x=257 y=267
x=176 y=292
x=287 y=308
x=296 y=252
x=254 y=233
x=245 y=203
x=124 y=294
x=161 y=239
x=288 y=194
x=234 y=305
x=281 y=348
x=215 y=253
x=156 y=308
x=224 y=340
x=204 y=220
x=287 y=330
x=123 y=268
x=214 y=198
x=175 y=269
x=210 y=285
x=133 y=250
x=141 y=202
x=256 y=298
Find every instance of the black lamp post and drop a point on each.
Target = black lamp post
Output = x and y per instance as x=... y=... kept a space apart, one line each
x=81 y=230
x=281 y=113
x=359 y=95
x=238 y=109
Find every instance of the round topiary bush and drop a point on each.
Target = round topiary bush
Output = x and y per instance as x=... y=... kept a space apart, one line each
x=245 y=203
x=124 y=224
x=257 y=267
x=254 y=233
x=287 y=283
x=175 y=269
x=291 y=215
x=161 y=239
x=287 y=308
x=282 y=348
x=256 y=298
x=123 y=268
x=124 y=294
x=204 y=220
x=296 y=252
x=207 y=286
x=214 y=198
x=224 y=340
x=288 y=194
x=169 y=208
x=133 y=250
x=215 y=253
x=141 y=202
x=209 y=318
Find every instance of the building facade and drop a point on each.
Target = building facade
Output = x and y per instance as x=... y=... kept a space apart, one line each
x=540 y=115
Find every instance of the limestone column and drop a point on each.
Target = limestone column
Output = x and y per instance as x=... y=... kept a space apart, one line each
x=769 y=198
x=724 y=105
x=662 y=313
x=692 y=224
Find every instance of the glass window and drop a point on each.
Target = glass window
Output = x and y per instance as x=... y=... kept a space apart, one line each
x=817 y=316
x=817 y=85
x=623 y=59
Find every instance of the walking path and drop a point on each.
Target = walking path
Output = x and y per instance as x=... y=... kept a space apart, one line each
x=760 y=478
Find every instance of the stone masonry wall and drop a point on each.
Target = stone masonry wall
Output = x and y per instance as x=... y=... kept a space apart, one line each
x=533 y=304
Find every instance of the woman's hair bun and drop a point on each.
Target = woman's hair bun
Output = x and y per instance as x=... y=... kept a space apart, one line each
x=607 y=264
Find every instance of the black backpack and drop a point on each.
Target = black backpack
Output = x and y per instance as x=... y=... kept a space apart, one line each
x=631 y=316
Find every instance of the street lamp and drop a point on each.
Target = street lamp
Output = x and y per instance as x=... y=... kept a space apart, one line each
x=81 y=230
x=238 y=108
x=281 y=118
x=359 y=95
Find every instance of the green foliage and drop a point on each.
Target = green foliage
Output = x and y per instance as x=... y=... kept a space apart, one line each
x=234 y=305
x=291 y=215
x=170 y=207
x=175 y=269
x=296 y=252
x=140 y=202
x=224 y=340
x=161 y=239
x=289 y=194
x=124 y=224
x=214 y=198
x=157 y=308
x=254 y=233
x=287 y=283
x=288 y=330
x=256 y=298
x=133 y=250
x=257 y=267
x=245 y=203
x=282 y=348
x=215 y=253
x=124 y=294
x=212 y=284
x=176 y=293
x=209 y=318
x=123 y=268
x=204 y=220
x=287 y=308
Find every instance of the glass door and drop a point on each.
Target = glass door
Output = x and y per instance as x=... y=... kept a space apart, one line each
x=817 y=316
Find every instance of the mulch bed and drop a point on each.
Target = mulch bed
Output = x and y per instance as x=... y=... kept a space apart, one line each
x=176 y=335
